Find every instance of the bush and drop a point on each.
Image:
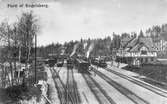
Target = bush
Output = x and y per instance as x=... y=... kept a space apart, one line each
x=14 y=92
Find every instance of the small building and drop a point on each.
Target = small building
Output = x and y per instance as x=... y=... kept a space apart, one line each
x=137 y=51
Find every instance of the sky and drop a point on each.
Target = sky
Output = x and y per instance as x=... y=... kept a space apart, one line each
x=66 y=20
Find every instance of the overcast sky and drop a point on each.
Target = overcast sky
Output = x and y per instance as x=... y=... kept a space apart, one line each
x=66 y=20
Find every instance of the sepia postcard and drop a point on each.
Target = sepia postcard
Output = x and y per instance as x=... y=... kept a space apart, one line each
x=83 y=51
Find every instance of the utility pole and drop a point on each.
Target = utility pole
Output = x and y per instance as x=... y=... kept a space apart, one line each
x=35 y=58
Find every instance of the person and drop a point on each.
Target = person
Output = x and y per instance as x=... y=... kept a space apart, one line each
x=91 y=69
x=94 y=71
x=112 y=62
x=118 y=64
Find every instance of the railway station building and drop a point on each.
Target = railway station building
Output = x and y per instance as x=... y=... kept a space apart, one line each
x=136 y=51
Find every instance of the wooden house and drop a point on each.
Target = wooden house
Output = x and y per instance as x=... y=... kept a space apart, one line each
x=137 y=51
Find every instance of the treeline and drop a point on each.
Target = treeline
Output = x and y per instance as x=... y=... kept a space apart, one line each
x=100 y=47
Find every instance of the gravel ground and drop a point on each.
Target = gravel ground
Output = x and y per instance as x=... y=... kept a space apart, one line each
x=125 y=72
x=113 y=93
x=133 y=75
x=86 y=95
x=52 y=90
x=140 y=91
x=62 y=73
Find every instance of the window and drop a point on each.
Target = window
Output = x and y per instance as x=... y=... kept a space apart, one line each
x=146 y=60
x=143 y=52
x=152 y=59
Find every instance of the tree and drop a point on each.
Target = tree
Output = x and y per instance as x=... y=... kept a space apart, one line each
x=125 y=35
x=27 y=29
x=116 y=41
x=141 y=34
x=17 y=40
x=156 y=30
x=6 y=33
x=164 y=28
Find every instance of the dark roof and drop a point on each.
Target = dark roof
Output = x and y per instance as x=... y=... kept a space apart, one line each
x=125 y=41
x=137 y=43
x=147 y=41
x=132 y=43
x=136 y=48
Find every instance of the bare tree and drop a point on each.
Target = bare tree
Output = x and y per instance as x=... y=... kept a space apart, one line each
x=17 y=41
x=6 y=34
x=27 y=29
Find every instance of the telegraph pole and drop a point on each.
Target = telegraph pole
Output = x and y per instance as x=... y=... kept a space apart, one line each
x=35 y=58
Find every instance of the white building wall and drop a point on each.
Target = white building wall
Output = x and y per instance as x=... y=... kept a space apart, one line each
x=137 y=54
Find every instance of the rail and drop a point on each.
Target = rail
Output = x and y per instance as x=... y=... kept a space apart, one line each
x=72 y=87
x=98 y=91
x=140 y=83
x=129 y=94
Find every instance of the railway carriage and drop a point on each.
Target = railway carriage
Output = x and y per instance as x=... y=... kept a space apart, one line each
x=99 y=62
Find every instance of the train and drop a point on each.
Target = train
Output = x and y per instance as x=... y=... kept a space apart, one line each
x=60 y=64
x=100 y=62
x=82 y=65
x=51 y=62
x=70 y=63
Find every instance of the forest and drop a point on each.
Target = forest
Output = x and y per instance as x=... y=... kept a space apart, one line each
x=101 y=46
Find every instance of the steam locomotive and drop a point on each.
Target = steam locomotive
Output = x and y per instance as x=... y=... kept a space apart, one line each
x=59 y=61
x=82 y=65
x=51 y=62
x=70 y=63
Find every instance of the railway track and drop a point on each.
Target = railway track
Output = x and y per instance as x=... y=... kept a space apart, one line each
x=72 y=95
x=129 y=94
x=59 y=86
x=140 y=83
x=100 y=94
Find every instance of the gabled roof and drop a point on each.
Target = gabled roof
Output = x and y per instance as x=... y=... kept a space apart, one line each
x=125 y=41
x=132 y=43
x=137 y=43
x=136 y=48
x=146 y=41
